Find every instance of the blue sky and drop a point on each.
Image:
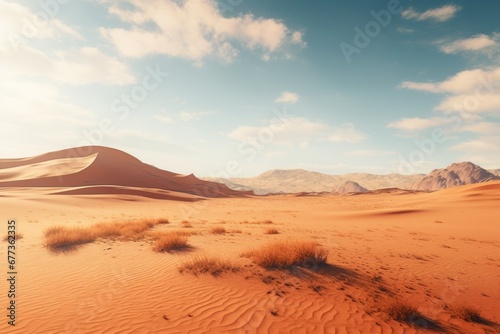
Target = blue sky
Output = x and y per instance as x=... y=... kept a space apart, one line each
x=238 y=87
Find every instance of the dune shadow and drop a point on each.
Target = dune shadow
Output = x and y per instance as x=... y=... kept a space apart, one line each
x=486 y=322
x=182 y=250
x=310 y=269
x=420 y=321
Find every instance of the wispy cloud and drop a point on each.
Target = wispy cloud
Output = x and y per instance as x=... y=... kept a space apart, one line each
x=483 y=151
x=287 y=97
x=296 y=132
x=192 y=29
x=346 y=133
x=470 y=91
x=20 y=24
x=440 y=14
x=184 y=116
x=194 y=115
x=416 y=124
x=405 y=30
x=479 y=42
x=371 y=153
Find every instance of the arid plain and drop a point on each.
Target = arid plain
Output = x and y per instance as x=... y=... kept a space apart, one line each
x=397 y=261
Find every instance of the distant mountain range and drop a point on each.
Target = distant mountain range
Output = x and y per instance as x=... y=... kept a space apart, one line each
x=300 y=180
x=103 y=170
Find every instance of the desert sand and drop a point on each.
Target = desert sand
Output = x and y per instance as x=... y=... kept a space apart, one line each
x=436 y=250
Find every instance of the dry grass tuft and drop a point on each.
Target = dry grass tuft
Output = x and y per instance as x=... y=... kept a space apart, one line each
x=162 y=221
x=284 y=254
x=166 y=242
x=262 y=222
x=60 y=237
x=401 y=311
x=467 y=313
x=204 y=264
x=271 y=231
x=218 y=230
x=186 y=224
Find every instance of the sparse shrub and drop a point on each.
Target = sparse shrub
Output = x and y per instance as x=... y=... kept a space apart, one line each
x=284 y=254
x=186 y=224
x=162 y=221
x=401 y=311
x=218 y=230
x=57 y=238
x=467 y=313
x=271 y=231
x=170 y=241
x=204 y=264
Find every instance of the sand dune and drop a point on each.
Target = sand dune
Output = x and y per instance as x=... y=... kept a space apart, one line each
x=101 y=166
x=436 y=250
x=45 y=169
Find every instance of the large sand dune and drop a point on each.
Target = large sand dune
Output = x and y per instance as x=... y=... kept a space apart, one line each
x=92 y=167
x=436 y=250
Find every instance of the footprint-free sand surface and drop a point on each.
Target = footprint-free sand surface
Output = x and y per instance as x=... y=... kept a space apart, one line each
x=436 y=250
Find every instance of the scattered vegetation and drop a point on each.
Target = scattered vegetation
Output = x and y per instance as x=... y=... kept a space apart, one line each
x=165 y=242
x=467 y=313
x=186 y=224
x=262 y=222
x=218 y=230
x=284 y=254
x=271 y=231
x=61 y=238
x=204 y=264
x=401 y=311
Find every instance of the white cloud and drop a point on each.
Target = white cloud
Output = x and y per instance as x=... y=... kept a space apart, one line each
x=371 y=153
x=440 y=14
x=292 y=131
x=481 y=128
x=295 y=132
x=346 y=133
x=164 y=119
x=484 y=151
x=470 y=91
x=418 y=124
x=475 y=43
x=184 y=116
x=192 y=29
x=18 y=24
x=78 y=66
x=195 y=115
x=287 y=97
x=405 y=30
x=482 y=144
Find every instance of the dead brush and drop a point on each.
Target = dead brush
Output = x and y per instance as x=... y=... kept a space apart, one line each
x=285 y=254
